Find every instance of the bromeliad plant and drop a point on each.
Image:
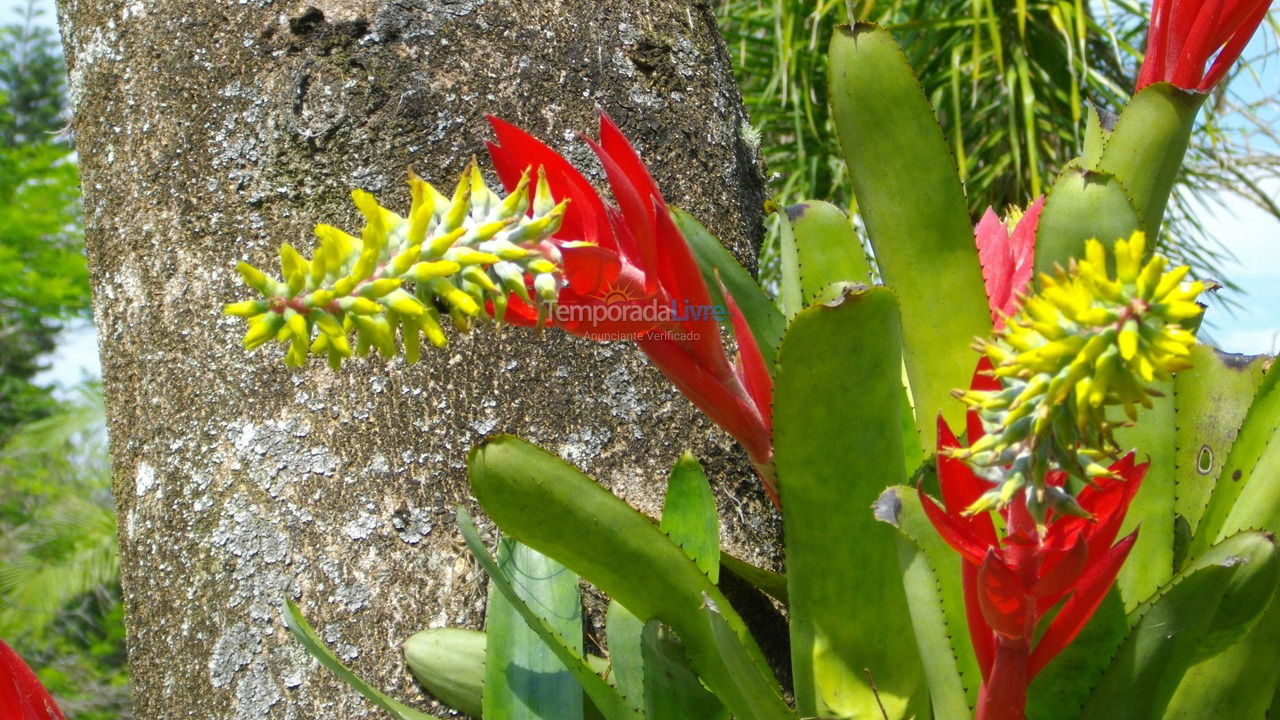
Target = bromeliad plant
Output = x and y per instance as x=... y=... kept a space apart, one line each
x=1178 y=618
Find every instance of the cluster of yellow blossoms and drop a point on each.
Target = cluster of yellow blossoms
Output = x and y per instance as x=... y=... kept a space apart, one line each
x=1084 y=343
x=451 y=254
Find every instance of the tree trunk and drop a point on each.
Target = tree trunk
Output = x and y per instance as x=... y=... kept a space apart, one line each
x=214 y=131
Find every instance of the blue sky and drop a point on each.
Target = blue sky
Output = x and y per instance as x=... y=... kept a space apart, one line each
x=1252 y=236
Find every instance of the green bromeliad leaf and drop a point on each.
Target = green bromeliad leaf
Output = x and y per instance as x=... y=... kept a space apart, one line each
x=520 y=694
x=306 y=635
x=1250 y=466
x=911 y=201
x=767 y=323
x=547 y=504
x=689 y=515
x=524 y=677
x=827 y=249
x=449 y=662
x=458 y=253
x=1202 y=612
x=1083 y=205
x=935 y=598
x=1212 y=399
x=837 y=444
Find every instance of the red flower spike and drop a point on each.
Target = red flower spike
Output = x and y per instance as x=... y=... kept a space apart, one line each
x=634 y=255
x=22 y=697
x=1007 y=258
x=1011 y=581
x=1186 y=34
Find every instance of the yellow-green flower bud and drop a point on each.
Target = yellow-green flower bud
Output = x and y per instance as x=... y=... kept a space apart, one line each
x=247 y=308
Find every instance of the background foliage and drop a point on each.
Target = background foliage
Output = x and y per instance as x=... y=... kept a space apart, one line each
x=43 y=281
x=59 y=575
x=1010 y=80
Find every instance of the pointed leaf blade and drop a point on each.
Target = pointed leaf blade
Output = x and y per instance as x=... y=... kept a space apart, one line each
x=609 y=702
x=524 y=676
x=306 y=635
x=896 y=153
x=837 y=444
x=689 y=515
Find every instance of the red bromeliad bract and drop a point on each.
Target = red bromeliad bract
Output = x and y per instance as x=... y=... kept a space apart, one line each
x=634 y=255
x=1186 y=34
x=22 y=697
x=1007 y=258
x=1012 y=581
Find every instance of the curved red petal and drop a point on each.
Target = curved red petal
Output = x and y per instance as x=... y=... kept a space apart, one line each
x=1089 y=592
x=1003 y=598
x=1059 y=571
x=516 y=151
x=957 y=533
x=590 y=269
x=22 y=697
x=755 y=373
x=980 y=633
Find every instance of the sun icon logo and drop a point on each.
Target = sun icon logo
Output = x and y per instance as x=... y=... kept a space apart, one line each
x=620 y=291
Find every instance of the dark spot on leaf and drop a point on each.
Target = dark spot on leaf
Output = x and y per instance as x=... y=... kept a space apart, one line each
x=1236 y=475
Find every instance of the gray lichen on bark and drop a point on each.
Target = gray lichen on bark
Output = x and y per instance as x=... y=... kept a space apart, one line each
x=211 y=132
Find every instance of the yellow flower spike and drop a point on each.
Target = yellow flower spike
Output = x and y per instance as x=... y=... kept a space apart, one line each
x=543 y=203
x=328 y=325
x=542 y=266
x=1169 y=282
x=336 y=246
x=297 y=325
x=466 y=256
x=1128 y=340
x=486 y=231
x=430 y=324
x=378 y=330
x=338 y=344
x=1086 y=343
x=292 y=263
x=455 y=298
x=1096 y=256
x=379 y=221
x=425 y=201
x=414 y=265
x=479 y=277
x=262 y=328
x=405 y=304
x=320 y=298
x=410 y=338
x=1149 y=277
x=483 y=200
x=345 y=285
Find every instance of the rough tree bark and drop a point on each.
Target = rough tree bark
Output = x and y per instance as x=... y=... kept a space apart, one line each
x=213 y=131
